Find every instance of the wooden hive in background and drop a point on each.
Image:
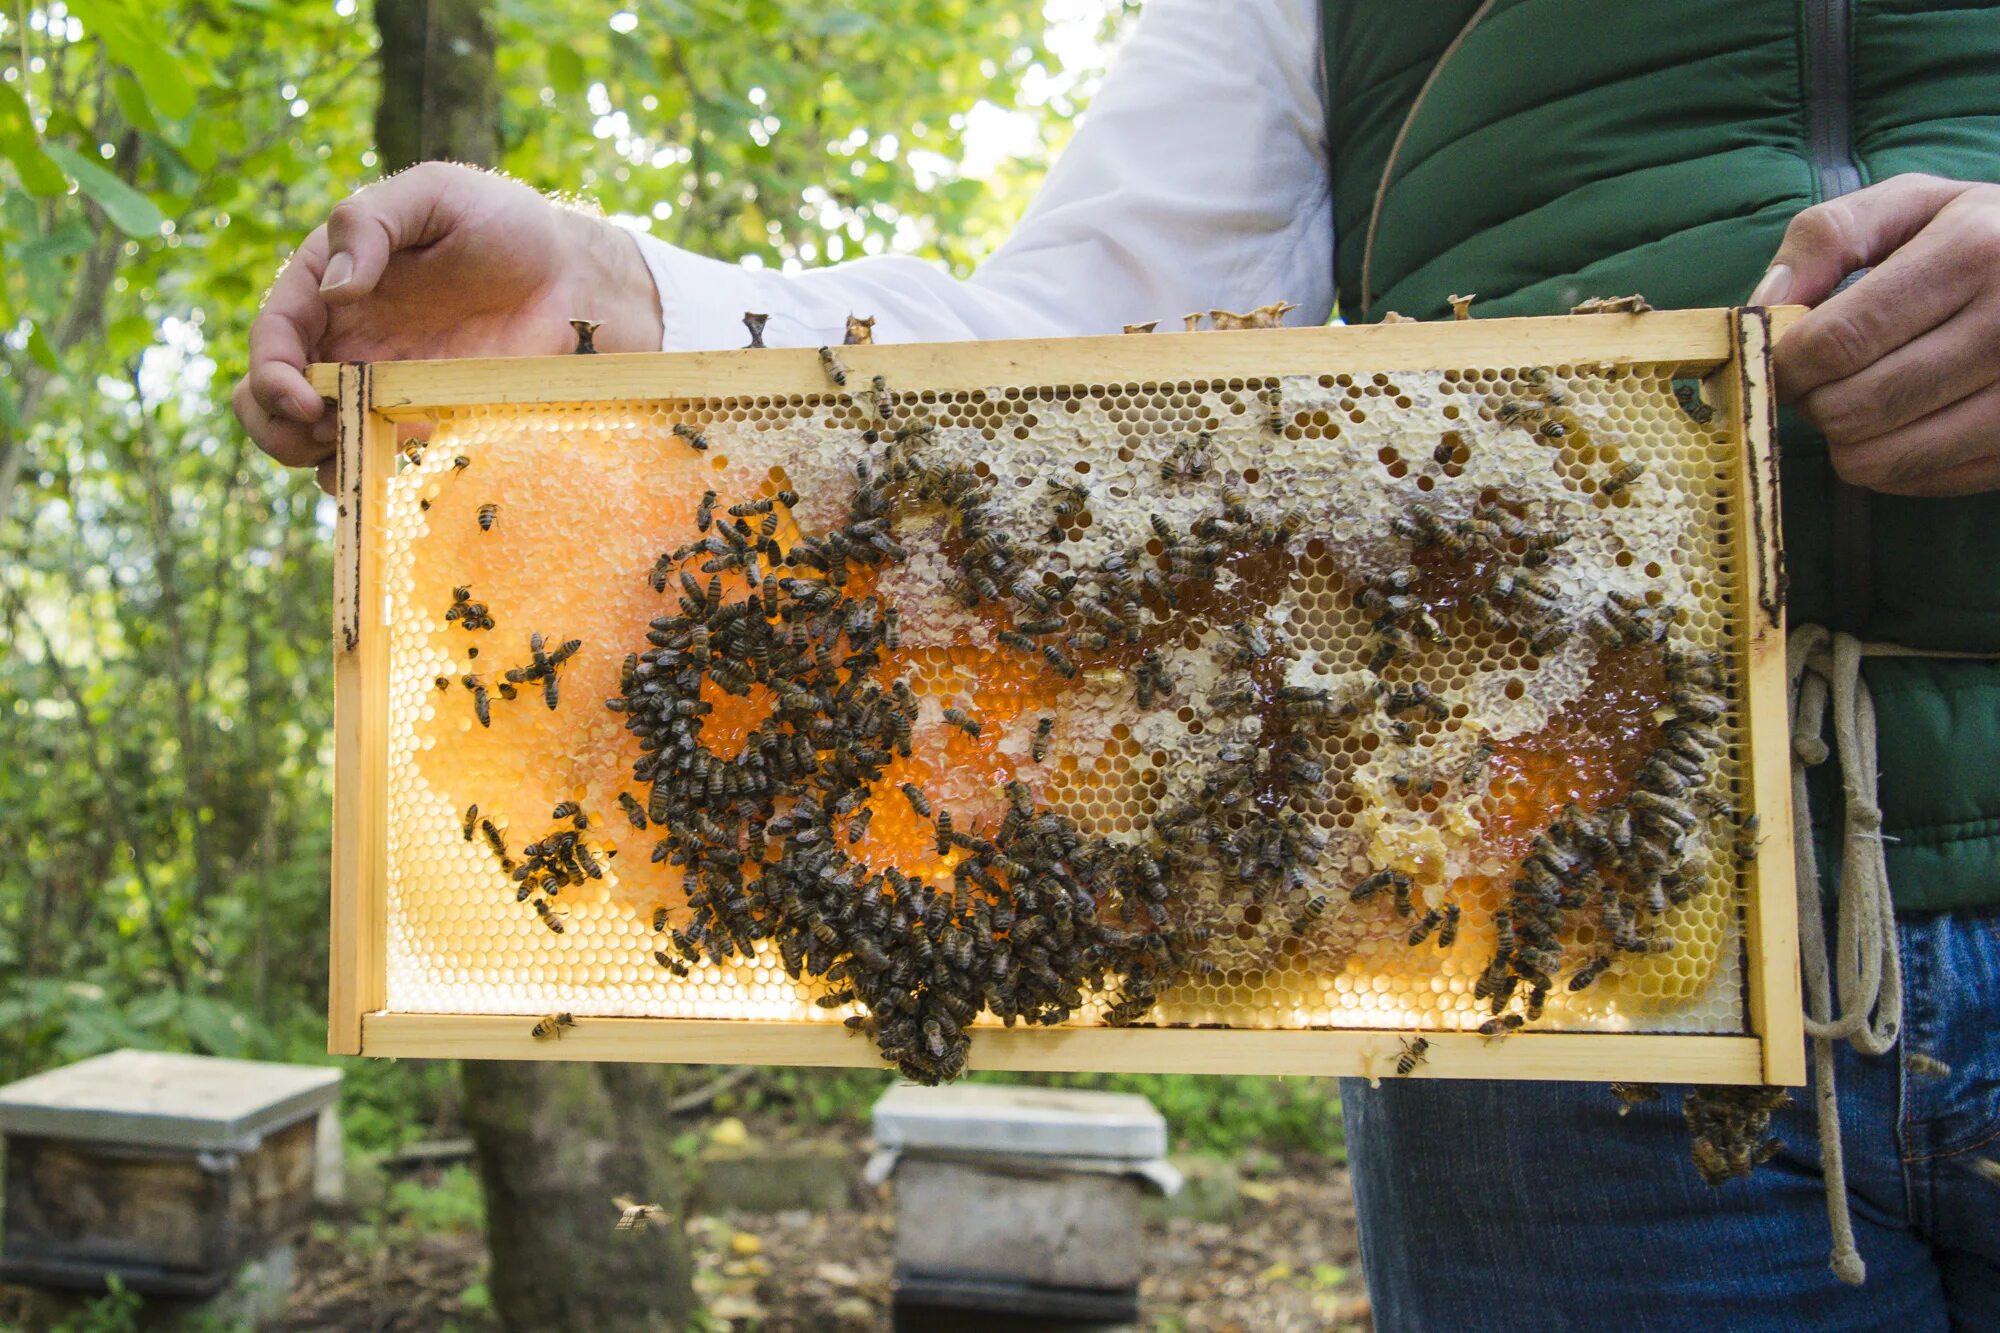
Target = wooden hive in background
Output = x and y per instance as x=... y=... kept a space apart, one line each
x=1348 y=453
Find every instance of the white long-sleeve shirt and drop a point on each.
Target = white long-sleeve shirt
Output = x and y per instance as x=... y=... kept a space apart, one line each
x=1197 y=180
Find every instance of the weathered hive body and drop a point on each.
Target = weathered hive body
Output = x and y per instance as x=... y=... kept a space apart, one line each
x=1298 y=550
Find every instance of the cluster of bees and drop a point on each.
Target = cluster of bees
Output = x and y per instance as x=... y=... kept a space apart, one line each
x=1037 y=916
x=560 y=859
x=544 y=666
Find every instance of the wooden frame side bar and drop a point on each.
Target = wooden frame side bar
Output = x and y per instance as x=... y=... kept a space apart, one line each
x=1771 y=925
x=1595 y=1057
x=355 y=963
x=1697 y=339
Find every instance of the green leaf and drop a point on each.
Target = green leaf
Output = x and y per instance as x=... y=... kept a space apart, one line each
x=20 y=145
x=72 y=238
x=130 y=211
x=158 y=69
x=132 y=101
x=43 y=350
x=565 y=70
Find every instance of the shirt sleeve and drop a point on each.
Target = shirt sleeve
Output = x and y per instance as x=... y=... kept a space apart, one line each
x=1197 y=179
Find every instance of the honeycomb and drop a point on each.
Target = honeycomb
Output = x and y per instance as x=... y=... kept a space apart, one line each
x=1429 y=746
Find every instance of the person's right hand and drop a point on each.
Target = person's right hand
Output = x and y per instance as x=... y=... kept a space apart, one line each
x=438 y=261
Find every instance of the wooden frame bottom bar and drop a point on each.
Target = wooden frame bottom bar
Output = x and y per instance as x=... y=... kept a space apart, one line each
x=1587 y=1056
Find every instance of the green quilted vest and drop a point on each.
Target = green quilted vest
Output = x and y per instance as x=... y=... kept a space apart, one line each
x=1577 y=148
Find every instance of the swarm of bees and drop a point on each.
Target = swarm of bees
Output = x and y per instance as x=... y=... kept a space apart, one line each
x=1731 y=1128
x=1035 y=916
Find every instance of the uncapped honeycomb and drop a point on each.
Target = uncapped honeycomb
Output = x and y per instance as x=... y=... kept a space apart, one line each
x=553 y=522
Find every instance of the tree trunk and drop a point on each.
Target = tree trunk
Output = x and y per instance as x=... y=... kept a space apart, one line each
x=440 y=97
x=555 y=1141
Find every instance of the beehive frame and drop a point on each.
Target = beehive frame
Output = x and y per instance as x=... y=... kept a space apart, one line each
x=1728 y=351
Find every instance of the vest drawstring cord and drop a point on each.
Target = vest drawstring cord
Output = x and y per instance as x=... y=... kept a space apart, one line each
x=1867 y=975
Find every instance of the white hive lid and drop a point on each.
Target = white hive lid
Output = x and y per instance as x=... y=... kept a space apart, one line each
x=162 y=1100
x=1019 y=1121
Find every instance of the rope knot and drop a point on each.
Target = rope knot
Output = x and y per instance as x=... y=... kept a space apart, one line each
x=1810 y=750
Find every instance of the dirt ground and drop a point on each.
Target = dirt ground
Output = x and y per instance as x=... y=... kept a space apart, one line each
x=1287 y=1263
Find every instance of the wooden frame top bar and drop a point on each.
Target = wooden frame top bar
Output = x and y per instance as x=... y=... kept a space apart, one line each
x=1698 y=339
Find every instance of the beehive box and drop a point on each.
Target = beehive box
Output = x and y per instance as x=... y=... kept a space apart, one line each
x=1236 y=702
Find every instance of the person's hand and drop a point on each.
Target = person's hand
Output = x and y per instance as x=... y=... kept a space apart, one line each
x=441 y=260
x=1901 y=371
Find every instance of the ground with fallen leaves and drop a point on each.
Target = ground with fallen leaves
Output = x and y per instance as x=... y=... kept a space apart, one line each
x=1287 y=1262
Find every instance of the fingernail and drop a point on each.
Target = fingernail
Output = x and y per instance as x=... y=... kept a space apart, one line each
x=303 y=407
x=338 y=270
x=1772 y=288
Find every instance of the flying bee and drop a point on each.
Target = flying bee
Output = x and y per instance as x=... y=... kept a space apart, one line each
x=831 y=363
x=1621 y=478
x=1414 y=1054
x=1630 y=1095
x=631 y=1214
x=487 y=513
x=551 y=1026
x=694 y=439
x=1039 y=749
x=1590 y=972
x=957 y=718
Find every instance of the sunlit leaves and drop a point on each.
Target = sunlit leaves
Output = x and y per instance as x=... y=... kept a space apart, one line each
x=130 y=211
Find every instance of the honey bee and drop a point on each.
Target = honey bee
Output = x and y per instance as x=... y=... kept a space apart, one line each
x=551 y=1026
x=1448 y=933
x=1630 y=1095
x=1415 y=1051
x=443 y=682
x=1274 y=414
x=481 y=705
x=1420 y=932
x=918 y=801
x=1496 y=1029
x=1040 y=746
x=494 y=838
x=632 y=1215
x=858 y=828
x=634 y=812
x=957 y=718
x=704 y=514
x=550 y=916
x=1621 y=478
x=692 y=437
x=1375 y=883
x=659 y=919
x=1590 y=972
x=460 y=463
x=487 y=513
x=1071 y=497
x=471 y=820
x=1747 y=840
x=831 y=363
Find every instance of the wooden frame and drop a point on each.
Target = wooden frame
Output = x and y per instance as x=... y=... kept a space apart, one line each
x=1729 y=350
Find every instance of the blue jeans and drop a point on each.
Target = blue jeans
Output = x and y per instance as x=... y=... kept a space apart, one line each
x=1535 y=1206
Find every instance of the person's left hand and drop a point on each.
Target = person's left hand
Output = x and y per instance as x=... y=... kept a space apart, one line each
x=1900 y=372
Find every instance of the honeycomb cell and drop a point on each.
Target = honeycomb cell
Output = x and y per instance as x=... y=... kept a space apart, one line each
x=1328 y=472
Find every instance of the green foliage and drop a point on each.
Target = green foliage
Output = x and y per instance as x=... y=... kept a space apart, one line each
x=451 y=1204
x=1204 y=1112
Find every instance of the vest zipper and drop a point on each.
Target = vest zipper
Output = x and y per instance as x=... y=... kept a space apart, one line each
x=1830 y=147
x=1829 y=98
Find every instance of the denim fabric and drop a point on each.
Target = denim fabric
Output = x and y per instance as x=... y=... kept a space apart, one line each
x=1536 y=1206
